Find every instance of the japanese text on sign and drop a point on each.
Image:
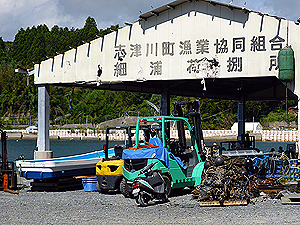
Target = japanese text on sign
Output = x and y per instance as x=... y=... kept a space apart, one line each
x=201 y=46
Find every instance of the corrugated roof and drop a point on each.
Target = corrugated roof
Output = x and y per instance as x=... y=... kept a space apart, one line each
x=172 y=5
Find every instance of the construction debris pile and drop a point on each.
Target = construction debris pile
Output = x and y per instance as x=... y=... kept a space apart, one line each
x=277 y=166
x=226 y=179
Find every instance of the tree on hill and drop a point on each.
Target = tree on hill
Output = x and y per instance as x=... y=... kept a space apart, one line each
x=36 y=42
x=89 y=31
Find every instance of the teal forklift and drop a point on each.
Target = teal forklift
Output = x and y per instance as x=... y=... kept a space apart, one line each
x=179 y=161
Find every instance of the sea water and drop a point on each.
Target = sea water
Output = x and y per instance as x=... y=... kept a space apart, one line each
x=60 y=148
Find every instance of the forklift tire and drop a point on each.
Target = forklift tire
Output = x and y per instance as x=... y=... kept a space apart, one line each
x=124 y=190
x=98 y=188
x=101 y=190
x=167 y=184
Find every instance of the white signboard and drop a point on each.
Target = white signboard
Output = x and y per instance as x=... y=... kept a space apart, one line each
x=193 y=41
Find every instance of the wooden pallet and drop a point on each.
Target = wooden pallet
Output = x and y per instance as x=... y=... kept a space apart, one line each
x=225 y=203
x=211 y=203
x=238 y=202
x=195 y=196
x=269 y=189
x=291 y=200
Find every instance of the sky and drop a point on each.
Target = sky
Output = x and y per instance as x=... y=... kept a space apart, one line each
x=16 y=14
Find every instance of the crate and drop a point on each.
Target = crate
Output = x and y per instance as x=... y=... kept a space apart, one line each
x=89 y=183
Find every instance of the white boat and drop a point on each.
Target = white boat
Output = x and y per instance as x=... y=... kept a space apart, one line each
x=76 y=165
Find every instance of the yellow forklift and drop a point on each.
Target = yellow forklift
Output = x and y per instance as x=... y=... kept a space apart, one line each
x=109 y=171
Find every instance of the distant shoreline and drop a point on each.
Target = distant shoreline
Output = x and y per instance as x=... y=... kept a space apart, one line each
x=209 y=135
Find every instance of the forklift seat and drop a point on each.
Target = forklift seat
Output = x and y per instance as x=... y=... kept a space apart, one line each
x=156 y=141
x=119 y=150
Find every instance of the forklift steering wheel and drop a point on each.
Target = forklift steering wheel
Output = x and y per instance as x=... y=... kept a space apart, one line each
x=175 y=147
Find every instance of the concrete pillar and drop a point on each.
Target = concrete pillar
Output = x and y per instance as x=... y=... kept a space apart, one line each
x=241 y=117
x=43 y=143
x=165 y=102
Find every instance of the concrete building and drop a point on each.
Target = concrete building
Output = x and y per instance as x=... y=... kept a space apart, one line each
x=197 y=48
x=249 y=126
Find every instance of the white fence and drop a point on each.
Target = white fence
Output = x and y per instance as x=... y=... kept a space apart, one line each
x=278 y=135
x=267 y=135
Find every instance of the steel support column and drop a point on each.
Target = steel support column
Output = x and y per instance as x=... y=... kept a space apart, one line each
x=43 y=143
x=165 y=102
x=241 y=117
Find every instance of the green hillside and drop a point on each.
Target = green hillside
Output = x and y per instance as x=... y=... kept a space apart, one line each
x=18 y=100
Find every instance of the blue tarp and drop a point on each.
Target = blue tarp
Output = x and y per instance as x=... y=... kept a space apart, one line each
x=178 y=160
x=147 y=153
x=160 y=153
x=156 y=141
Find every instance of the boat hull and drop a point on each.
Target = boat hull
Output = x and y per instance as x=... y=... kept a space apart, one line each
x=77 y=165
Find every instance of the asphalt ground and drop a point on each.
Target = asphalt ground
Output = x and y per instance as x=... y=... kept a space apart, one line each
x=80 y=207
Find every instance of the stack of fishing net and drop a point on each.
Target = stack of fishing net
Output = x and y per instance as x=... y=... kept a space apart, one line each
x=226 y=179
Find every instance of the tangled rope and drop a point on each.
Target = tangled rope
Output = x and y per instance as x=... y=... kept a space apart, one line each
x=229 y=181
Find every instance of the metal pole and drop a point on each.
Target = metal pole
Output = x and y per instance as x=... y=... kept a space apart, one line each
x=286 y=103
x=165 y=102
x=241 y=117
x=4 y=151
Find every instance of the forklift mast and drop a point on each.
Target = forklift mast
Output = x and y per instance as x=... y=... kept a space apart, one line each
x=181 y=131
x=128 y=131
x=195 y=115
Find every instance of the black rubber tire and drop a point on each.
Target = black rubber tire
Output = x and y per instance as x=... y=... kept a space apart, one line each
x=177 y=191
x=137 y=200
x=98 y=188
x=142 y=199
x=101 y=190
x=123 y=189
x=167 y=184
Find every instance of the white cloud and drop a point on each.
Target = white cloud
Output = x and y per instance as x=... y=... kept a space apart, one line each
x=288 y=9
x=50 y=13
x=15 y=14
x=110 y=12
